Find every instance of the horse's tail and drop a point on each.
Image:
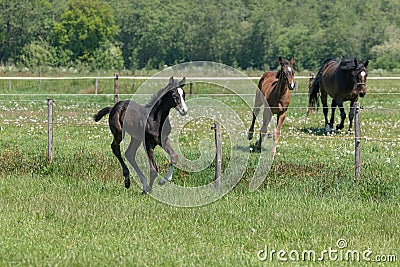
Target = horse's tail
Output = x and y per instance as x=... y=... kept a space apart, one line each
x=313 y=92
x=101 y=113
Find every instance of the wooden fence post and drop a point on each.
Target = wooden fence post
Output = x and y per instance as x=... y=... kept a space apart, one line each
x=190 y=88
x=218 y=154
x=50 y=130
x=357 y=140
x=115 y=87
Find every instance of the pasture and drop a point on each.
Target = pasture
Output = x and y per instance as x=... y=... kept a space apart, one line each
x=76 y=211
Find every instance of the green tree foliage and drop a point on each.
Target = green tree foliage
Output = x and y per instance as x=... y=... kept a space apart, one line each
x=36 y=54
x=22 y=22
x=387 y=54
x=84 y=27
x=108 y=56
x=154 y=33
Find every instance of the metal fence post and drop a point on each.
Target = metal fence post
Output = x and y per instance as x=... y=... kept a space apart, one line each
x=115 y=87
x=218 y=154
x=357 y=140
x=50 y=130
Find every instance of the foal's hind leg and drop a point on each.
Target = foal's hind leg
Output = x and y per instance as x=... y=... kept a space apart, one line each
x=277 y=131
x=256 y=111
x=116 y=149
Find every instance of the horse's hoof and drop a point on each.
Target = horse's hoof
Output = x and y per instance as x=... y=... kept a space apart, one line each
x=328 y=128
x=249 y=136
x=339 y=127
x=162 y=181
x=166 y=179
x=127 y=183
x=258 y=146
x=148 y=190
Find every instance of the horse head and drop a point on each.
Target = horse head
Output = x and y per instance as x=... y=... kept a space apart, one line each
x=360 y=77
x=287 y=70
x=178 y=95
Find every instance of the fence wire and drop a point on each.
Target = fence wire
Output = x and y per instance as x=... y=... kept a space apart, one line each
x=57 y=109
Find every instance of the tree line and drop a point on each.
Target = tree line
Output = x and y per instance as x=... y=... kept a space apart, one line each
x=138 y=34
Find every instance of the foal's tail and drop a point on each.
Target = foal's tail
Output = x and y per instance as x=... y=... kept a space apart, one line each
x=101 y=113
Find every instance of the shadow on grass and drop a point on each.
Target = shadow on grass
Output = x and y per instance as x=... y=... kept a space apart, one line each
x=322 y=132
x=313 y=131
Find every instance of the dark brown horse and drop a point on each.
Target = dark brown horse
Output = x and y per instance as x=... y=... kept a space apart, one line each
x=344 y=80
x=274 y=87
x=148 y=124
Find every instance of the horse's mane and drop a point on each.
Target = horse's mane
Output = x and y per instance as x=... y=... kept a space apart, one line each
x=347 y=64
x=157 y=96
x=329 y=59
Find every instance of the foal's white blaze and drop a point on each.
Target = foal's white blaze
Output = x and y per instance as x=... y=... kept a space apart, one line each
x=183 y=104
x=289 y=69
x=363 y=74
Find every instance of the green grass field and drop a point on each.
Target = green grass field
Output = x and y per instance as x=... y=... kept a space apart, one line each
x=75 y=211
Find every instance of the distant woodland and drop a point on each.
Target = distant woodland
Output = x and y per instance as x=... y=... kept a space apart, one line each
x=149 y=34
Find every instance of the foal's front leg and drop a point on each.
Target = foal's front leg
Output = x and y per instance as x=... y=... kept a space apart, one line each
x=267 y=116
x=130 y=155
x=277 y=132
x=174 y=159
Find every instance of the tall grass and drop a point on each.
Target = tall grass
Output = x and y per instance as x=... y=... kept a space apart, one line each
x=76 y=212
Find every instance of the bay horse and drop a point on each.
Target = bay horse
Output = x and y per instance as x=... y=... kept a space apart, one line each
x=275 y=88
x=344 y=80
x=148 y=124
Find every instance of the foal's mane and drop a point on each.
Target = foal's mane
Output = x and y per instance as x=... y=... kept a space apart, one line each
x=157 y=96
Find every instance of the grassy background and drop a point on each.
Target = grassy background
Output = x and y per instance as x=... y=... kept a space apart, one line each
x=76 y=211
